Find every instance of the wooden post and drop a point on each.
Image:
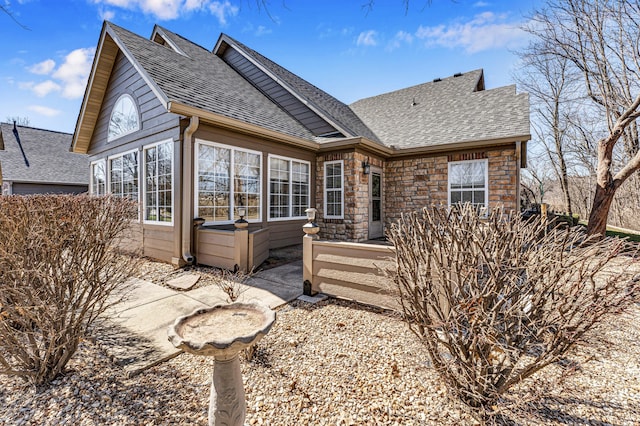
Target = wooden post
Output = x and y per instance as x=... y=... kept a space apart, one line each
x=241 y=249
x=307 y=264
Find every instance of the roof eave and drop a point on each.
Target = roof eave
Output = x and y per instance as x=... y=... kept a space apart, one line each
x=47 y=182
x=389 y=152
x=88 y=91
x=240 y=126
x=460 y=146
x=357 y=142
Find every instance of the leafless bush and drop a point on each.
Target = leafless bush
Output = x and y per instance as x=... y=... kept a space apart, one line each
x=495 y=300
x=58 y=268
x=232 y=283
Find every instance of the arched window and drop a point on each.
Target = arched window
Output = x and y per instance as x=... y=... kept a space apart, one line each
x=124 y=118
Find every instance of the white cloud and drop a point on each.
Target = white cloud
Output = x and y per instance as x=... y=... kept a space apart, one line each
x=262 y=30
x=162 y=9
x=74 y=72
x=26 y=85
x=367 y=38
x=43 y=89
x=481 y=4
x=190 y=5
x=172 y=9
x=49 y=112
x=106 y=15
x=398 y=39
x=484 y=32
x=43 y=68
x=222 y=10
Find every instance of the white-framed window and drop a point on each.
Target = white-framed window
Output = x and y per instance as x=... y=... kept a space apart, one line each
x=334 y=189
x=289 y=186
x=98 y=177
x=469 y=182
x=158 y=183
x=227 y=178
x=124 y=118
x=123 y=175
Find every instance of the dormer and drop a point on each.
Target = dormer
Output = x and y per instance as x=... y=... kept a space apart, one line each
x=259 y=71
x=160 y=37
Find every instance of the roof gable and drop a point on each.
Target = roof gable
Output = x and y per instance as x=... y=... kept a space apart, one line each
x=304 y=101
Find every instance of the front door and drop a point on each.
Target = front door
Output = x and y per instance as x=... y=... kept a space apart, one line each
x=376 y=229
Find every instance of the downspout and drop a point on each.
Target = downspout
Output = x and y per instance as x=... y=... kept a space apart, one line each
x=187 y=188
x=518 y=167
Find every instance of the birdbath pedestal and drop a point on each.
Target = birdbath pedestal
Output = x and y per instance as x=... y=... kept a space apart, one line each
x=222 y=332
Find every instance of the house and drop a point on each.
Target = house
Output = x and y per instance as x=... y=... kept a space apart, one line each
x=193 y=133
x=38 y=161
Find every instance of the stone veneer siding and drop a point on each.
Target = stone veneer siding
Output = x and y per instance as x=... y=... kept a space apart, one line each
x=407 y=185
x=413 y=183
x=355 y=224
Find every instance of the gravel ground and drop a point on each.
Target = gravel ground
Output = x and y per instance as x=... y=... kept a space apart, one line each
x=334 y=363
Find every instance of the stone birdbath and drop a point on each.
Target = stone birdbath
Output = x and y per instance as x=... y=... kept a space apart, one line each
x=222 y=332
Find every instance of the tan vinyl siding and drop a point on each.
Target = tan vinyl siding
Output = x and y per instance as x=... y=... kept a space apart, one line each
x=282 y=233
x=158 y=242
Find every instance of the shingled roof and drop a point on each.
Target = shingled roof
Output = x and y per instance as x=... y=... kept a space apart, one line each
x=328 y=105
x=47 y=153
x=188 y=78
x=451 y=110
x=202 y=80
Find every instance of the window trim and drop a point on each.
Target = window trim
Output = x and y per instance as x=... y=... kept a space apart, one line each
x=324 y=187
x=290 y=160
x=143 y=189
x=92 y=176
x=135 y=105
x=232 y=205
x=122 y=154
x=485 y=161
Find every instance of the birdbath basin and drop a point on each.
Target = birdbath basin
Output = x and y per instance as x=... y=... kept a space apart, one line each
x=222 y=332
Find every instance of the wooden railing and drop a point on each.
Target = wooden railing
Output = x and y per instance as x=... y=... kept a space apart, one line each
x=354 y=271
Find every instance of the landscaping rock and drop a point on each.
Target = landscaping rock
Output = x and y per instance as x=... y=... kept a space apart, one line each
x=183 y=282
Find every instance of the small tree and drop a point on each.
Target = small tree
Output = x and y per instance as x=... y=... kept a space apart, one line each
x=494 y=300
x=58 y=271
x=599 y=38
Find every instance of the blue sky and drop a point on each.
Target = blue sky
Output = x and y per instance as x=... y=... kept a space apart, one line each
x=348 y=50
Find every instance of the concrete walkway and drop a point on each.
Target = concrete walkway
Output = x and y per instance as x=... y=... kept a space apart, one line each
x=135 y=333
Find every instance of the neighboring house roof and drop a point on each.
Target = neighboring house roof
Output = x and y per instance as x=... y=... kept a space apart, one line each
x=47 y=154
x=451 y=110
x=237 y=83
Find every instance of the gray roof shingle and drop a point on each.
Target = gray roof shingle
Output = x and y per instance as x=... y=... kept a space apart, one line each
x=445 y=112
x=204 y=81
x=48 y=154
x=327 y=104
x=452 y=110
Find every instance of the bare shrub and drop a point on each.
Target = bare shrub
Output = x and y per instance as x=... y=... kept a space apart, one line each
x=58 y=268
x=495 y=300
x=232 y=282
